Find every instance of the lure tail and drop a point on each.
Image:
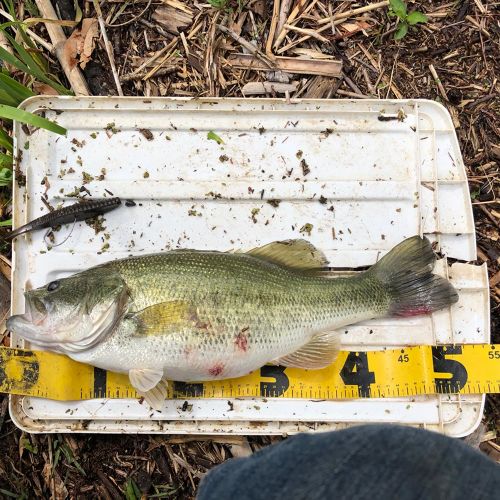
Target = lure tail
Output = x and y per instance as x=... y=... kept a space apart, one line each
x=406 y=271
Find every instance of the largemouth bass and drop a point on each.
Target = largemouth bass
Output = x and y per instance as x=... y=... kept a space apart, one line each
x=191 y=315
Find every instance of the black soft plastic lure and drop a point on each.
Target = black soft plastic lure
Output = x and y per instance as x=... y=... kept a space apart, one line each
x=82 y=210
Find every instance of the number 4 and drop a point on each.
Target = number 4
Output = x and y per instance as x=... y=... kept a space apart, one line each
x=355 y=372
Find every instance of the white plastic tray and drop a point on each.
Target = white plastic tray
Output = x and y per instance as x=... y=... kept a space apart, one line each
x=383 y=180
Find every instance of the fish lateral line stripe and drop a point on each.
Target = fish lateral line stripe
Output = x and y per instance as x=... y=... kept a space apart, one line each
x=444 y=369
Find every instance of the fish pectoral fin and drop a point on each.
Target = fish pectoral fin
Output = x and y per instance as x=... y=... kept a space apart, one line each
x=296 y=254
x=163 y=318
x=151 y=385
x=320 y=352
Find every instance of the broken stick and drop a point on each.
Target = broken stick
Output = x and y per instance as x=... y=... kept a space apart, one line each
x=323 y=67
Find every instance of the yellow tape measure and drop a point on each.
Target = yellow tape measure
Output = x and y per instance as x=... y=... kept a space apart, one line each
x=464 y=369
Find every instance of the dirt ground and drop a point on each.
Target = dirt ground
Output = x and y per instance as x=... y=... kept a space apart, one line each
x=173 y=48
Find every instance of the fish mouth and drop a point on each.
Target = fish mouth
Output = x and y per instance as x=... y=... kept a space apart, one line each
x=36 y=310
x=28 y=325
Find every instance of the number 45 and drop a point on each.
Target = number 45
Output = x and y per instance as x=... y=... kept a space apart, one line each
x=403 y=358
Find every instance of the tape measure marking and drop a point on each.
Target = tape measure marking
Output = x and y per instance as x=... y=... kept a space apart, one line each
x=447 y=369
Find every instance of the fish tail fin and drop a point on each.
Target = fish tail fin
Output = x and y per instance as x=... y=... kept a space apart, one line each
x=406 y=271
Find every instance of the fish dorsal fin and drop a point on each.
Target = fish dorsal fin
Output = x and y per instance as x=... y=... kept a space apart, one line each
x=163 y=318
x=151 y=385
x=295 y=254
x=320 y=352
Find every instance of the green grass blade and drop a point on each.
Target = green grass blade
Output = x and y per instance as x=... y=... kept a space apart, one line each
x=6 y=141
x=6 y=98
x=20 y=115
x=15 y=89
x=14 y=61
x=10 y=7
x=2 y=491
x=33 y=68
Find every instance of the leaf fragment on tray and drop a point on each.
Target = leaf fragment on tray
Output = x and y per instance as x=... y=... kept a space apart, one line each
x=212 y=136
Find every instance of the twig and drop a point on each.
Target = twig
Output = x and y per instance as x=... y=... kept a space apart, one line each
x=478 y=26
x=353 y=94
x=130 y=77
x=485 y=212
x=295 y=12
x=302 y=66
x=438 y=82
x=353 y=12
x=130 y=21
x=107 y=45
x=247 y=45
x=58 y=38
x=306 y=31
x=328 y=24
x=486 y=202
x=284 y=10
x=272 y=28
x=157 y=28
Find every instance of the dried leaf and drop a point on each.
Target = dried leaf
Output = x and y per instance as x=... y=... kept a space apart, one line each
x=79 y=46
x=54 y=482
x=43 y=88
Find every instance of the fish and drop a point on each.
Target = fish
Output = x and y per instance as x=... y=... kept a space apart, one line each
x=83 y=210
x=196 y=315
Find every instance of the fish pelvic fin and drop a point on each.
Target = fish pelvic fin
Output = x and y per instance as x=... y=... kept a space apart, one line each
x=321 y=351
x=406 y=272
x=296 y=254
x=151 y=385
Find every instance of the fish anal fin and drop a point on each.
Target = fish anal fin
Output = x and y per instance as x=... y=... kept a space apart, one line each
x=320 y=352
x=157 y=395
x=295 y=254
x=151 y=385
x=164 y=317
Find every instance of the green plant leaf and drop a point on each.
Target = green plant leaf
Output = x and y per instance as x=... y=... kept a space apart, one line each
x=6 y=98
x=5 y=161
x=416 y=17
x=31 y=67
x=13 y=60
x=132 y=491
x=6 y=223
x=214 y=137
x=6 y=141
x=15 y=89
x=6 y=175
x=401 y=31
x=399 y=8
x=20 y=115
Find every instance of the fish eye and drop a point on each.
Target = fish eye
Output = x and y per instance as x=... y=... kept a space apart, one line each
x=53 y=285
